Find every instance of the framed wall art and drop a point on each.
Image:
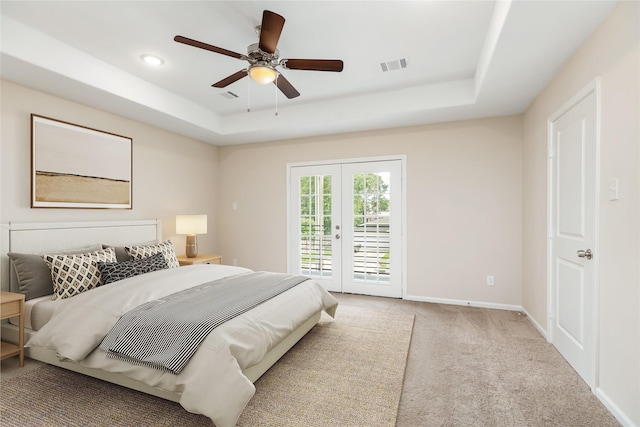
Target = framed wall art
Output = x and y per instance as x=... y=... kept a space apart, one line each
x=74 y=166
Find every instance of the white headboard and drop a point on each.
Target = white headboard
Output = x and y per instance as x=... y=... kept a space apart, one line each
x=36 y=238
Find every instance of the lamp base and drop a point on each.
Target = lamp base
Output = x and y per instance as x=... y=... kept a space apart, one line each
x=192 y=246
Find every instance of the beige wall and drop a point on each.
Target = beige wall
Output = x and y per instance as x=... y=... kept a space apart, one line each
x=164 y=181
x=612 y=53
x=464 y=204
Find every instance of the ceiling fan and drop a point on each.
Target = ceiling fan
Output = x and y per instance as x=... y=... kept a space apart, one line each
x=263 y=58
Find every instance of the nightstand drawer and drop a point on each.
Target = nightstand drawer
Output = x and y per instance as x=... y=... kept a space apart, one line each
x=200 y=259
x=10 y=309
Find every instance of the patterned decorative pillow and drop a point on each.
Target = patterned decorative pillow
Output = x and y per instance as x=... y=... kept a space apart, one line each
x=34 y=275
x=151 y=263
x=114 y=271
x=165 y=248
x=74 y=274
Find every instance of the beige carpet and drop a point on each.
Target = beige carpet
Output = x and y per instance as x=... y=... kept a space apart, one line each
x=345 y=372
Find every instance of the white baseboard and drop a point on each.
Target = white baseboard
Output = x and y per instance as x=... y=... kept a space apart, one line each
x=536 y=325
x=614 y=409
x=465 y=303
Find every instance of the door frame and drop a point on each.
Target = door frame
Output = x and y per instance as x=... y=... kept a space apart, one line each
x=592 y=87
x=403 y=245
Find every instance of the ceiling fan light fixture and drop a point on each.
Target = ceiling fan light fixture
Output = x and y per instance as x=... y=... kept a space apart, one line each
x=263 y=74
x=264 y=59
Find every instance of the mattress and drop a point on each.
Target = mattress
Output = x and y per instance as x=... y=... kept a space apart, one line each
x=37 y=312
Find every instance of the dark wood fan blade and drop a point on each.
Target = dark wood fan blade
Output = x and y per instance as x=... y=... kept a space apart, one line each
x=205 y=46
x=314 y=64
x=231 y=79
x=286 y=87
x=270 y=30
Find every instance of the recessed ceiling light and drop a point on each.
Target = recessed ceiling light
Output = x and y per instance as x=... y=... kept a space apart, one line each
x=152 y=59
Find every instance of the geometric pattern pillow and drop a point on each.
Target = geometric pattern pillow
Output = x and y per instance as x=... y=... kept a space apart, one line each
x=114 y=271
x=73 y=274
x=151 y=263
x=165 y=248
x=34 y=275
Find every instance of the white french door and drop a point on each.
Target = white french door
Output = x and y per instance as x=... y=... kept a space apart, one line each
x=572 y=233
x=315 y=248
x=346 y=226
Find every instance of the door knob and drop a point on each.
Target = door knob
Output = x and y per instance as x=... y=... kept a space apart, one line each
x=337 y=236
x=585 y=254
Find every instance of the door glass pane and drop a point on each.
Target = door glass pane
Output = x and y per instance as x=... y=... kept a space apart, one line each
x=315 y=225
x=371 y=250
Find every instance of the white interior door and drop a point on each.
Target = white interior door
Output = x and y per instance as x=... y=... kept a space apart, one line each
x=346 y=226
x=572 y=234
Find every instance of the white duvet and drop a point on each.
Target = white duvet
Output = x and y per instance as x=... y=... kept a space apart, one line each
x=212 y=383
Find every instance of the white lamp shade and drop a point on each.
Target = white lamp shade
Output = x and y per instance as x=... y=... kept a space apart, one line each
x=191 y=224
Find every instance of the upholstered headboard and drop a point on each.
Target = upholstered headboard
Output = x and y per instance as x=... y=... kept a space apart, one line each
x=48 y=237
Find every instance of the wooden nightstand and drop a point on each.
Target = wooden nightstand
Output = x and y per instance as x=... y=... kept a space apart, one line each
x=12 y=305
x=200 y=259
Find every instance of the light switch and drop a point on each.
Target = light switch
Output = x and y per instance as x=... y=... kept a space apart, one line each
x=613 y=189
x=234 y=206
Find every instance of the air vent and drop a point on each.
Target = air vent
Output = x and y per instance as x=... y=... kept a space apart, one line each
x=394 y=65
x=228 y=95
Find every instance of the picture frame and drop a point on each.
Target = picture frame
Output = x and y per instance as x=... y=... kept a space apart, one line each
x=74 y=166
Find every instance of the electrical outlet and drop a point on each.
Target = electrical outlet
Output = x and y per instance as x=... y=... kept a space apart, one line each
x=490 y=281
x=235 y=261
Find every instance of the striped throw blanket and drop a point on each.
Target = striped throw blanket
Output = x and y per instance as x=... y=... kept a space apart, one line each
x=165 y=333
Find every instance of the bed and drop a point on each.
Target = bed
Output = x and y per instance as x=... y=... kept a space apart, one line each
x=218 y=379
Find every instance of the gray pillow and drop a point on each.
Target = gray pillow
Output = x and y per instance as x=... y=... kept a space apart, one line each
x=34 y=275
x=121 y=253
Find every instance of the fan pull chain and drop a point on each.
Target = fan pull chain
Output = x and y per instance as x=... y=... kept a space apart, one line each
x=248 y=95
x=277 y=75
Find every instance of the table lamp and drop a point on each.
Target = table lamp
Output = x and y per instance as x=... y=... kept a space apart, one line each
x=191 y=225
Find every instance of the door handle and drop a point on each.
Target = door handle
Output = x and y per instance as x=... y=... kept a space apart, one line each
x=585 y=254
